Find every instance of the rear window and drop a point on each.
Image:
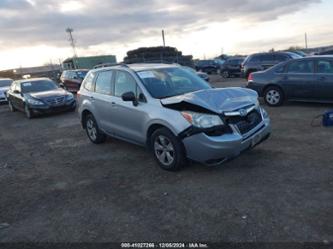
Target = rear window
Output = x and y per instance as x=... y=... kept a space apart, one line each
x=88 y=82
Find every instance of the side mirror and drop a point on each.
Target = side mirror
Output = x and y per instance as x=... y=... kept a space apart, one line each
x=62 y=86
x=130 y=97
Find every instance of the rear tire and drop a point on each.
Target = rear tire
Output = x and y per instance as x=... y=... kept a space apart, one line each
x=225 y=74
x=93 y=132
x=167 y=149
x=274 y=96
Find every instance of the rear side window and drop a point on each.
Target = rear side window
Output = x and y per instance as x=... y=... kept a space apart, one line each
x=267 y=57
x=325 y=66
x=254 y=58
x=281 y=57
x=306 y=66
x=124 y=82
x=103 y=83
x=88 y=82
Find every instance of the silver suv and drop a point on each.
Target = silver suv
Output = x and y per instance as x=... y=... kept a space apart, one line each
x=173 y=112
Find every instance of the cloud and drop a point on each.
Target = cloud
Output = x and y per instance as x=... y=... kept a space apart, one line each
x=95 y=22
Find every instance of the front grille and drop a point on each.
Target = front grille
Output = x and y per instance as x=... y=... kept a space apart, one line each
x=56 y=101
x=247 y=123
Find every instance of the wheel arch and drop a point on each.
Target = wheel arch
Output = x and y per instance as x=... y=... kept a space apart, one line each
x=84 y=115
x=273 y=85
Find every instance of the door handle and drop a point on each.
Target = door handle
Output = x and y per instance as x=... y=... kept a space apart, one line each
x=322 y=78
x=285 y=77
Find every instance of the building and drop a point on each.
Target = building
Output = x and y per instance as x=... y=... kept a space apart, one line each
x=87 y=62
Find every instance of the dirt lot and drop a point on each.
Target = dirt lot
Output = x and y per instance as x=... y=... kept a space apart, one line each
x=57 y=186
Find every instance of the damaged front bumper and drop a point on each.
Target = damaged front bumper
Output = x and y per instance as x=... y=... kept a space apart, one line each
x=215 y=150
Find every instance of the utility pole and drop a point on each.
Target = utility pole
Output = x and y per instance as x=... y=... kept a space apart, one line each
x=71 y=40
x=306 y=40
x=163 y=37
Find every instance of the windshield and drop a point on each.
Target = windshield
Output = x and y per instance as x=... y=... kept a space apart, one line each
x=169 y=82
x=4 y=83
x=38 y=86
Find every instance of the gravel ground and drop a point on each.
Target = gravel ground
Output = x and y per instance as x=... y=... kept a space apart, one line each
x=58 y=187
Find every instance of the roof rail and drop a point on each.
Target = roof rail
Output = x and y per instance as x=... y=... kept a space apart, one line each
x=110 y=65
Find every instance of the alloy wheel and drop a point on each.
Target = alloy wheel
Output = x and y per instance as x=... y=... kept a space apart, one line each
x=164 y=150
x=273 y=97
x=91 y=129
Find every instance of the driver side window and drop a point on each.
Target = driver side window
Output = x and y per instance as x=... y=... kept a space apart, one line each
x=124 y=83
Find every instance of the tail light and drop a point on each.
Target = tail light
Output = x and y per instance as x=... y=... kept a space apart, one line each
x=250 y=78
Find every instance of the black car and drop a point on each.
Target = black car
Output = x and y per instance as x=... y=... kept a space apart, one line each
x=38 y=96
x=232 y=67
x=208 y=66
x=306 y=79
x=263 y=61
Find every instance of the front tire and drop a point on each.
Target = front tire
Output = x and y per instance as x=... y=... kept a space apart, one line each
x=11 y=107
x=168 y=150
x=28 y=112
x=93 y=132
x=274 y=96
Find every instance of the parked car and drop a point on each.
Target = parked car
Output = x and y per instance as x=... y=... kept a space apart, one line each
x=71 y=79
x=4 y=86
x=208 y=66
x=263 y=61
x=306 y=79
x=171 y=111
x=200 y=74
x=39 y=96
x=232 y=67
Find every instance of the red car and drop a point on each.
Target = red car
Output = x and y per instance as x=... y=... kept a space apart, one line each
x=71 y=79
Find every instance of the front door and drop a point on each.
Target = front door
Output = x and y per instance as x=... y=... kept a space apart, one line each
x=324 y=80
x=127 y=119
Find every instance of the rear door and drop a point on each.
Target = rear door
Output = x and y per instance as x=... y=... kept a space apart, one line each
x=102 y=99
x=324 y=79
x=299 y=80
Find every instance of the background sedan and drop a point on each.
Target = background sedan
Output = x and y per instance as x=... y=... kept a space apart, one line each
x=306 y=79
x=38 y=96
x=4 y=86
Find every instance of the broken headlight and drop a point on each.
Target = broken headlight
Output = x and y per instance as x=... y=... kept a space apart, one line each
x=202 y=120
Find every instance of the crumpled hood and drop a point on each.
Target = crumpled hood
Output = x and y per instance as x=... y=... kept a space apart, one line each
x=4 y=89
x=217 y=100
x=54 y=93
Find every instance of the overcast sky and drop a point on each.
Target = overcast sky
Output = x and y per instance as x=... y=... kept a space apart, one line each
x=33 y=31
